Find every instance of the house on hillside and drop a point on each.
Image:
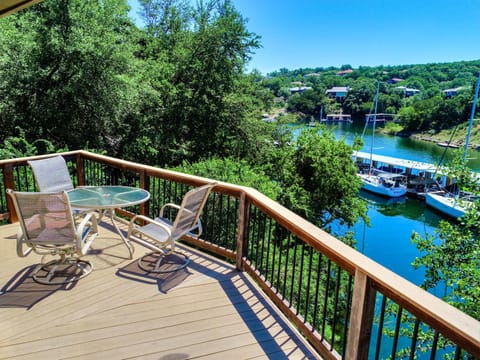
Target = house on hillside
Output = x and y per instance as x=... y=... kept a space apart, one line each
x=344 y=72
x=452 y=92
x=407 y=91
x=299 y=89
x=394 y=80
x=337 y=92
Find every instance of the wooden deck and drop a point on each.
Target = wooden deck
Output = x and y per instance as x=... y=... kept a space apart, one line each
x=207 y=311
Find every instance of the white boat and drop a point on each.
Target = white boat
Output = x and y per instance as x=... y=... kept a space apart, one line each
x=381 y=183
x=448 y=205
x=386 y=184
x=454 y=205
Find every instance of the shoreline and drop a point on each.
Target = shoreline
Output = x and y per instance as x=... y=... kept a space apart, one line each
x=443 y=143
x=439 y=141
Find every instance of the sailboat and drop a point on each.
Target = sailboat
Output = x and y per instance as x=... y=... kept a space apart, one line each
x=449 y=204
x=376 y=181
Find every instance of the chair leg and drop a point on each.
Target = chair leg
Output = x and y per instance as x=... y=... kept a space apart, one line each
x=62 y=271
x=158 y=262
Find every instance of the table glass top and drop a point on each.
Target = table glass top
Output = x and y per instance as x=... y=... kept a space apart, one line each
x=98 y=197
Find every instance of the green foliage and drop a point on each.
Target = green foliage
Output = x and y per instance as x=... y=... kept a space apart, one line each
x=392 y=128
x=60 y=67
x=451 y=256
x=317 y=176
x=328 y=175
x=200 y=104
x=238 y=172
x=18 y=146
x=408 y=118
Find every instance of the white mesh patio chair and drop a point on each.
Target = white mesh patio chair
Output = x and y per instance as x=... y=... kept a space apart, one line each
x=52 y=175
x=47 y=227
x=161 y=233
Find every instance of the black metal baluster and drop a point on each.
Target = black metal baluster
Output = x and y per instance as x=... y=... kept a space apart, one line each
x=280 y=245
x=269 y=244
x=309 y=281
x=335 y=308
x=317 y=291
x=347 y=314
x=285 y=271
x=396 y=333
x=434 y=345
x=300 y=279
x=325 y=300
x=414 y=339
x=380 y=328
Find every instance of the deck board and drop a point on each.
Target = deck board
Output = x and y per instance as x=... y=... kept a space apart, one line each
x=206 y=311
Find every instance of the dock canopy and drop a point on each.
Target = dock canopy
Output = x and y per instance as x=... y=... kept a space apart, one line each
x=11 y=6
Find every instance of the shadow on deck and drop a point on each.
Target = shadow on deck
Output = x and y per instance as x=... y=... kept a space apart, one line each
x=205 y=311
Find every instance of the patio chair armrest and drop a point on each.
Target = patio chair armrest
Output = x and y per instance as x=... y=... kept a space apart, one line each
x=131 y=225
x=138 y=217
x=87 y=225
x=20 y=243
x=175 y=206
x=87 y=219
x=198 y=227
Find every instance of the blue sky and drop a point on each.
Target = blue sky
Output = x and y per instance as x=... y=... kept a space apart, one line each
x=321 y=33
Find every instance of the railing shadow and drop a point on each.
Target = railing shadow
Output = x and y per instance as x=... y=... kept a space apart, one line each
x=241 y=293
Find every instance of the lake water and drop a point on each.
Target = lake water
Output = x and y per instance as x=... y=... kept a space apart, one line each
x=387 y=240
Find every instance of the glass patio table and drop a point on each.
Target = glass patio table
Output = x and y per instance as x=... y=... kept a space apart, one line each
x=107 y=199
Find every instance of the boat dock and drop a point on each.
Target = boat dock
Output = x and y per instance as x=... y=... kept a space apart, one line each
x=380 y=117
x=338 y=118
x=419 y=174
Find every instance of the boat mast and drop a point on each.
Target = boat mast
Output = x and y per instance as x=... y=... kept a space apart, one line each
x=470 y=124
x=374 y=122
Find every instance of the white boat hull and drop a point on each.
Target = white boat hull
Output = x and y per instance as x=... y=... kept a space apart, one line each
x=374 y=184
x=446 y=205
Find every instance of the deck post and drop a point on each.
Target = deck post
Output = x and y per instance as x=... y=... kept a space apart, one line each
x=9 y=183
x=361 y=317
x=145 y=185
x=80 y=170
x=242 y=237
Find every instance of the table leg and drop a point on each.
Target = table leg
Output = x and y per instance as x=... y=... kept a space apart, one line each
x=127 y=243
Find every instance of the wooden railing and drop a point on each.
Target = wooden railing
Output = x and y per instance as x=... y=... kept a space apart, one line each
x=345 y=304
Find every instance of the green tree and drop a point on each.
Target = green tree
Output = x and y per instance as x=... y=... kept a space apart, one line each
x=329 y=176
x=306 y=102
x=451 y=256
x=239 y=172
x=202 y=53
x=317 y=176
x=408 y=118
x=61 y=65
x=359 y=99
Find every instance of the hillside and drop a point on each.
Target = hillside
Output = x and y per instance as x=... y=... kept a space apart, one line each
x=459 y=135
x=422 y=98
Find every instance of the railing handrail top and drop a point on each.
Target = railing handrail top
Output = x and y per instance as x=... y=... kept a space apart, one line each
x=418 y=302
x=15 y=161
